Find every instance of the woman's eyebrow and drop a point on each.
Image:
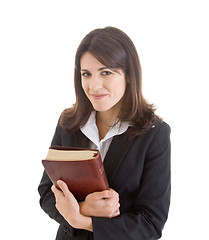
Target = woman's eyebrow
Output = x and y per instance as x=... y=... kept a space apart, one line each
x=102 y=68
x=112 y=69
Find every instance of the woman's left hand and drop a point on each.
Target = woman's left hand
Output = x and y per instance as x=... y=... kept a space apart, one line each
x=69 y=208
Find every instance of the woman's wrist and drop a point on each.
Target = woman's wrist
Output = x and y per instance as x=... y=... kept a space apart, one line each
x=81 y=222
x=84 y=209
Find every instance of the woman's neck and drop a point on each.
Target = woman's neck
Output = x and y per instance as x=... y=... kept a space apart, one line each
x=104 y=121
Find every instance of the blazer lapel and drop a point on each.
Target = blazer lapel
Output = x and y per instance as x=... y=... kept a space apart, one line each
x=115 y=155
x=79 y=140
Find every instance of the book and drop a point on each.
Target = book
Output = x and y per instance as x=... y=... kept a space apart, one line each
x=80 y=168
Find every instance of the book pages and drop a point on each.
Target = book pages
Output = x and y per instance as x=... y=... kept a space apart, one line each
x=70 y=155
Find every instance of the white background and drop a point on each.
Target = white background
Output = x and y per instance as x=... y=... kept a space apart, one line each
x=37 y=48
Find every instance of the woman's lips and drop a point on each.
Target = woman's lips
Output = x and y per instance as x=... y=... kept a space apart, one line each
x=98 y=96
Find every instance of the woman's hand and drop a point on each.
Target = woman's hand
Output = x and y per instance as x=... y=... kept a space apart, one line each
x=69 y=208
x=101 y=204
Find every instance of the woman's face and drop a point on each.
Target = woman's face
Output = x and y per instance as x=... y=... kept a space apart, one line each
x=103 y=86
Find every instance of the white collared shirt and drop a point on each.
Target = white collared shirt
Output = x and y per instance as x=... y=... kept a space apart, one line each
x=90 y=130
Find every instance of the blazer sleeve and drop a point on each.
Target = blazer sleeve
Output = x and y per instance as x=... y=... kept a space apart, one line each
x=150 y=211
x=47 y=199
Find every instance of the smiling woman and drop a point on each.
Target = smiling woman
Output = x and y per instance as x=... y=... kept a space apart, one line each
x=111 y=115
x=113 y=51
x=104 y=87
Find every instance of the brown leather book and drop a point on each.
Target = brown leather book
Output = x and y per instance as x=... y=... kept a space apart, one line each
x=81 y=169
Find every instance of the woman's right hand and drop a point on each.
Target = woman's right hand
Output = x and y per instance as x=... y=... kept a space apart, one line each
x=101 y=204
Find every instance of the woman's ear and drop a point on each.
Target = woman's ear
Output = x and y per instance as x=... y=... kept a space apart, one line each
x=127 y=79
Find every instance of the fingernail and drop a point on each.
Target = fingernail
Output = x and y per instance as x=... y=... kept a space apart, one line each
x=59 y=182
x=112 y=192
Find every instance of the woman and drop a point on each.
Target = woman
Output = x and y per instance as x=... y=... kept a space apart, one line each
x=111 y=114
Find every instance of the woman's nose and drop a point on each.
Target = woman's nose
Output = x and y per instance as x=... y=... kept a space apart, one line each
x=95 y=83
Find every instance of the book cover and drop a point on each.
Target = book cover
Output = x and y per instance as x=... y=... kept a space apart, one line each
x=83 y=173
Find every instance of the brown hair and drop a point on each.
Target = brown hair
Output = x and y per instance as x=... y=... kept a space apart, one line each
x=114 y=49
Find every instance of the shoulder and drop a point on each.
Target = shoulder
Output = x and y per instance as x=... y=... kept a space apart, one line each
x=160 y=128
x=157 y=136
x=159 y=139
x=160 y=132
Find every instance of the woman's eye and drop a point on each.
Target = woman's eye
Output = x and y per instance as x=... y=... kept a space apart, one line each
x=105 y=73
x=86 y=74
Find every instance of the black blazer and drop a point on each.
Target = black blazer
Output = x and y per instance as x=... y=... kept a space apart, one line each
x=139 y=170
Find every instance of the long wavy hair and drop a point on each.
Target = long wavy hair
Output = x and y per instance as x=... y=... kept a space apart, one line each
x=114 y=49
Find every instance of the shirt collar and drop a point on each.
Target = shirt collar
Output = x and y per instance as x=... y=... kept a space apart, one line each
x=91 y=131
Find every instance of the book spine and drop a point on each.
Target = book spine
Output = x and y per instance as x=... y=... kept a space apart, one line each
x=98 y=165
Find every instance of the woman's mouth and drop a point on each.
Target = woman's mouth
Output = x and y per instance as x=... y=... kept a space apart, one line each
x=98 y=96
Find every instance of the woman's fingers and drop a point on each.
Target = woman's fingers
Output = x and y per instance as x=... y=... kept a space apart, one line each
x=101 y=204
x=106 y=194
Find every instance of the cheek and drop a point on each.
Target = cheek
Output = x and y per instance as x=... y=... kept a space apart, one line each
x=120 y=89
x=124 y=87
x=84 y=85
